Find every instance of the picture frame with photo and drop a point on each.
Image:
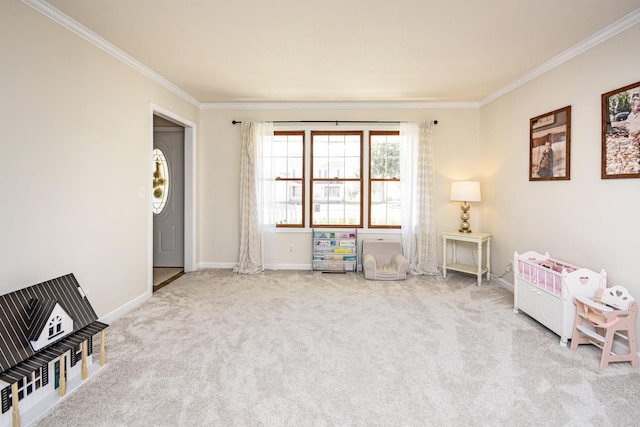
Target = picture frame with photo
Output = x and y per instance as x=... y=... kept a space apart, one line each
x=550 y=146
x=621 y=132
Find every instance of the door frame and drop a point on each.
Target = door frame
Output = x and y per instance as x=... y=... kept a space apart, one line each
x=189 y=189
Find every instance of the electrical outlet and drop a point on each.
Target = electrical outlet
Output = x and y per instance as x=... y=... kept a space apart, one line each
x=509 y=267
x=290 y=248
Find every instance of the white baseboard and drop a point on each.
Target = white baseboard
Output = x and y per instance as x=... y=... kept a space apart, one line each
x=206 y=265
x=508 y=286
x=228 y=265
x=124 y=309
x=294 y=267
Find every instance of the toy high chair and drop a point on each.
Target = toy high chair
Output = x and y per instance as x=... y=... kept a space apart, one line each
x=612 y=311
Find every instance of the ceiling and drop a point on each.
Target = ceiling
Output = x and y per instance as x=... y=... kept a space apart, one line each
x=249 y=51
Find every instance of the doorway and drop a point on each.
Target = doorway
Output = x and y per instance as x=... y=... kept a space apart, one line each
x=172 y=194
x=167 y=195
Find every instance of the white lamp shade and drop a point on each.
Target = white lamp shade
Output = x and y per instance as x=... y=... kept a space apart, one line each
x=465 y=191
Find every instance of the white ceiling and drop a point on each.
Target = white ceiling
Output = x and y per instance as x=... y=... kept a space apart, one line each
x=249 y=51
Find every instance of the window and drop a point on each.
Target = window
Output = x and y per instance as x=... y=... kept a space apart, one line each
x=160 y=181
x=26 y=386
x=289 y=163
x=76 y=354
x=384 y=180
x=336 y=179
x=55 y=326
x=352 y=178
x=30 y=383
x=21 y=382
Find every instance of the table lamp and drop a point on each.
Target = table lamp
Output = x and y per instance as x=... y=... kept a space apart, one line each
x=465 y=192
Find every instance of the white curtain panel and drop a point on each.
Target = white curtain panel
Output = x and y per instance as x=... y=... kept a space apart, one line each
x=417 y=182
x=257 y=187
x=267 y=173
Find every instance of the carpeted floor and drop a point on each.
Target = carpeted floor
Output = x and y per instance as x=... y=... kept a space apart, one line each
x=291 y=348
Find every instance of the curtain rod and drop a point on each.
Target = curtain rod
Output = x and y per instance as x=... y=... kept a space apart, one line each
x=235 y=122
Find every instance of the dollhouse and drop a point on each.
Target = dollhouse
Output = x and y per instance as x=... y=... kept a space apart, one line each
x=46 y=346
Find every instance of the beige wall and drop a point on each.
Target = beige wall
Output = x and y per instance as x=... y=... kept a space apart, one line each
x=587 y=221
x=457 y=151
x=75 y=152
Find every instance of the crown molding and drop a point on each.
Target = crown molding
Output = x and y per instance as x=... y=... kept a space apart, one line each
x=57 y=16
x=72 y=25
x=606 y=33
x=333 y=105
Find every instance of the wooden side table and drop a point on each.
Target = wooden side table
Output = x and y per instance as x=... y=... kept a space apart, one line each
x=477 y=238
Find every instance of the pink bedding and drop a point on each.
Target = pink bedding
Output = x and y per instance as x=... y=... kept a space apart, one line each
x=547 y=273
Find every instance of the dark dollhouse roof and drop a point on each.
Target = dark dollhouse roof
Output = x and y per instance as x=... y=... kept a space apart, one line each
x=23 y=311
x=39 y=313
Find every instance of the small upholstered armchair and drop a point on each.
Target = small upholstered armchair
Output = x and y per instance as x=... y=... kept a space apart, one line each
x=383 y=260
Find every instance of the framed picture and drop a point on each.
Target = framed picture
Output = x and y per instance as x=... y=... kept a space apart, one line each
x=550 y=146
x=621 y=132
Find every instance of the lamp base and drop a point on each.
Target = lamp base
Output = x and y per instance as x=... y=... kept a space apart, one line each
x=465 y=227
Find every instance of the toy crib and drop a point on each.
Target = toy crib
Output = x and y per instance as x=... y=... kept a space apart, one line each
x=544 y=289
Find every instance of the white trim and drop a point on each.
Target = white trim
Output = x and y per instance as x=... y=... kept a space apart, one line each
x=216 y=265
x=230 y=265
x=503 y=283
x=606 y=33
x=56 y=15
x=125 y=308
x=189 y=187
x=294 y=267
x=148 y=191
x=74 y=26
x=190 y=199
x=333 y=105
x=171 y=116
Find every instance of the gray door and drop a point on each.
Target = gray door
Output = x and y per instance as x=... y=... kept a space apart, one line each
x=168 y=197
